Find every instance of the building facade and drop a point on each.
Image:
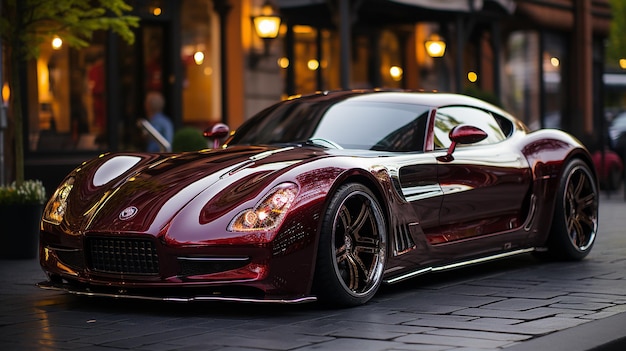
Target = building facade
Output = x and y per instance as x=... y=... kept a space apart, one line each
x=540 y=59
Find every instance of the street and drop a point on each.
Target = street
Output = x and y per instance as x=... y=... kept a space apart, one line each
x=516 y=304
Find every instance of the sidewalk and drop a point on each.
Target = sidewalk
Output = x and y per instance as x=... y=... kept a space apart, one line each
x=516 y=304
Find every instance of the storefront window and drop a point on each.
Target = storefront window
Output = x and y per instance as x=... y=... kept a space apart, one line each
x=521 y=91
x=71 y=96
x=553 y=57
x=200 y=59
x=391 y=65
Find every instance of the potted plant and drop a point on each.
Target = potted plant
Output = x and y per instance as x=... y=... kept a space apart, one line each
x=20 y=213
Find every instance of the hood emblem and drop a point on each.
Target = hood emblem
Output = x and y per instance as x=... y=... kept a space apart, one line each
x=128 y=213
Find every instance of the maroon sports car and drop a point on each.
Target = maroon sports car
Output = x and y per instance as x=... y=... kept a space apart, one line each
x=323 y=197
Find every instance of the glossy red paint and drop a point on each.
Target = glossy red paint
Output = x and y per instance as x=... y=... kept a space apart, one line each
x=159 y=225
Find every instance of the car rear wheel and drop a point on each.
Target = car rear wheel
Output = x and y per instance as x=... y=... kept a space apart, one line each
x=575 y=222
x=352 y=248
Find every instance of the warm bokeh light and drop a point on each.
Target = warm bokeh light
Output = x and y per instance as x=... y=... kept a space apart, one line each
x=6 y=93
x=313 y=64
x=156 y=11
x=472 y=76
x=396 y=73
x=622 y=63
x=198 y=57
x=555 y=61
x=57 y=43
x=435 y=46
x=283 y=62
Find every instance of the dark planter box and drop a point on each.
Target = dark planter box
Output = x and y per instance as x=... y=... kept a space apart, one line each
x=19 y=228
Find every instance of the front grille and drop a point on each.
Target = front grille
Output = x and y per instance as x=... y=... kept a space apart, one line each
x=123 y=255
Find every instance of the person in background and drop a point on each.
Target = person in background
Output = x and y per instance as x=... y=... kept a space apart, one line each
x=154 y=112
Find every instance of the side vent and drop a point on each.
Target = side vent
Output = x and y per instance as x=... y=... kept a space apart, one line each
x=403 y=242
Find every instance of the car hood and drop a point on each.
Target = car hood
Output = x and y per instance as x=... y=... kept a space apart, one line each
x=141 y=193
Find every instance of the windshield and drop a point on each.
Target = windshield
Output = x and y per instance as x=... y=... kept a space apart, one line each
x=349 y=124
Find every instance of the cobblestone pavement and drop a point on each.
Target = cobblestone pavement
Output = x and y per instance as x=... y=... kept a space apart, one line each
x=514 y=304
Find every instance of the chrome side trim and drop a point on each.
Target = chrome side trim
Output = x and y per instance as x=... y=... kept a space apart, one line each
x=51 y=286
x=408 y=275
x=457 y=265
x=421 y=192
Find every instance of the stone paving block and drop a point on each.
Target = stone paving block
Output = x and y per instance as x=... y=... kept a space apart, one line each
x=446 y=317
x=447 y=340
x=531 y=294
x=424 y=308
x=364 y=345
x=477 y=290
x=508 y=283
x=368 y=334
x=498 y=320
x=534 y=313
x=150 y=338
x=599 y=315
x=287 y=342
x=383 y=316
x=552 y=324
x=521 y=328
x=479 y=335
x=517 y=304
x=366 y=326
x=590 y=306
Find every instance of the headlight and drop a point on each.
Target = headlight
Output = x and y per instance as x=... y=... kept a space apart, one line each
x=55 y=209
x=269 y=212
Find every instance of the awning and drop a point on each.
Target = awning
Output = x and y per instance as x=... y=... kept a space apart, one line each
x=439 y=5
x=458 y=5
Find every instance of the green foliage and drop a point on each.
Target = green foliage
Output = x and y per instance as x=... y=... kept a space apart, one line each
x=616 y=48
x=25 y=24
x=29 y=192
x=188 y=139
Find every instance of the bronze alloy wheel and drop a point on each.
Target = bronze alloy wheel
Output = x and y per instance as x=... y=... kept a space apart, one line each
x=352 y=247
x=576 y=215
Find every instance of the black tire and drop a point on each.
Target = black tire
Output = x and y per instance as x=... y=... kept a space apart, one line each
x=575 y=221
x=352 y=248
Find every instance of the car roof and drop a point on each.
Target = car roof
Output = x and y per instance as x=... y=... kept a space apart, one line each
x=432 y=99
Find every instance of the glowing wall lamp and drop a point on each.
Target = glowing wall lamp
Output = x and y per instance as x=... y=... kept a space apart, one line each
x=435 y=46
x=57 y=42
x=266 y=27
x=267 y=23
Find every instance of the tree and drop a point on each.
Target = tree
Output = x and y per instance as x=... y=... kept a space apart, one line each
x=616 y=48
x=25 y=24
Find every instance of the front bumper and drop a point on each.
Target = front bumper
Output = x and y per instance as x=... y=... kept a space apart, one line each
x=173 y=297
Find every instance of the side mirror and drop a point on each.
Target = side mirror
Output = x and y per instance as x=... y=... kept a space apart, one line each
x=462 y=134
x=215 y=133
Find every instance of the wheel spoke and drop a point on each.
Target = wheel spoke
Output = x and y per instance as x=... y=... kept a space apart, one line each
x=582 y=180
x=352 y=268
x=587 y=201
x=363 y=217
x=577 y=235
x=589 y=220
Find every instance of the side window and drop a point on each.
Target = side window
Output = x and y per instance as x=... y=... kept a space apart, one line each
x=451 y=116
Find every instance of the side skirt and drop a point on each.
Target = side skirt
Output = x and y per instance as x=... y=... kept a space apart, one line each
x=456 y=265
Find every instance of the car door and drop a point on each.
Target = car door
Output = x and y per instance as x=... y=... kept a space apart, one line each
x=485 y=184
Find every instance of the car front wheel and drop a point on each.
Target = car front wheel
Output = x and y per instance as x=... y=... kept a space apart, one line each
x=575 y=222
x=351 y=255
